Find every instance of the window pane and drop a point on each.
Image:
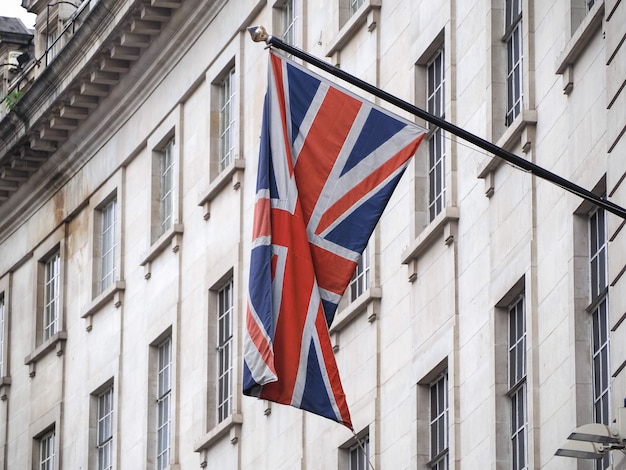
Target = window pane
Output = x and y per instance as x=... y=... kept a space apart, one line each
x=360 y=280
x=435 y=104
x=227 y=120
x=166 y=193
x=163 y=403
x=224 y=350
x=108 y=215
x=439 y=422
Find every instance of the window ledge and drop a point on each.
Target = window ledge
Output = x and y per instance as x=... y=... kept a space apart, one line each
x=579 y=40
x=114 y=293
x=56 y=341
x=171 y=236
x=443 y=225
x=230 y=425
x=354 y=309
x=522 y=131
x=231 y=174
x=5 y=384
x=348 y=30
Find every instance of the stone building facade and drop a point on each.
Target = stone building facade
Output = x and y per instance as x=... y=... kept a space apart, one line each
x=485 y=321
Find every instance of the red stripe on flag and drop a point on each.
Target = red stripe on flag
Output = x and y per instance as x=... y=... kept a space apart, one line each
x=322 y=145
x=261 y=226
x=331 y=368
x=335 y=279
x=298 y=280
x=277 y=67
x=372 y=181
x=260 y=341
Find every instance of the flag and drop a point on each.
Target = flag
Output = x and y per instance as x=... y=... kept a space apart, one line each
x=328 y=163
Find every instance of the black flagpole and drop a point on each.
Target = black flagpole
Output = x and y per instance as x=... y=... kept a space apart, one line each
x=259 y=34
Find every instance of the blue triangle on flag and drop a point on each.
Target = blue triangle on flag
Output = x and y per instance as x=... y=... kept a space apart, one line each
x=378 y=129
x=315 y=397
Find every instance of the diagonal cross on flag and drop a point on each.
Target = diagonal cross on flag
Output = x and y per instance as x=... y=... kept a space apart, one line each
x=328 y=164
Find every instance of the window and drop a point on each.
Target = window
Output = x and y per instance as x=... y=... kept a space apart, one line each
x=438 y=423
x=227 y=115
x=361 y=280
x=52 y=288
x=225 y=312
x=52 y=44
x=108 y=244
x=166 y=187
x=600 y=321
x=360 y=454
x=288 y=22
x=355 y=5
x=164 y=392
x=104 y=433
x=517 y=383
x=46 y=453
x=3 y=371
x=513 y=39
x=435 y=103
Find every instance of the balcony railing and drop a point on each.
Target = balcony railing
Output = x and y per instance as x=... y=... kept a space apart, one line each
x=55 y=40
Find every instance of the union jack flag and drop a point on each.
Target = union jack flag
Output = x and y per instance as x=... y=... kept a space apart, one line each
x=328 y=163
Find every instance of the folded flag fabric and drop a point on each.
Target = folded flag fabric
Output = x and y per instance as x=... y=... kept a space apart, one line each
x=328 y=164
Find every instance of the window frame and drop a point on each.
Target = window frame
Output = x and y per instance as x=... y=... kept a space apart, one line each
x=600 y=324
x=438 y=420
x=42 y=344
x=288 y=22
x=436 y=105
x=51 y=294
x=163 y=408
x=227 y=111
x=104 y=444
x=353 y=6
x=517 y=382
x=359 y=454
x=361 y=280
x=225 y=311
x=167 y=186
x=513 y=39
x=222 y=171
x=107 y=243
x=113 y=189
x=166 y=138
x=46 y=449
x=4 y=310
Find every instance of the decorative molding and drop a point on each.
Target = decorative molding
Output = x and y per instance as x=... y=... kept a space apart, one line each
x=522 y=128
x=348 y=30
x=230 y=426
x=233 y=174
x=444 y=225
x=114 y=293
x=366 y=302
x=56 y=341
x=173 y=237
x=579 y=40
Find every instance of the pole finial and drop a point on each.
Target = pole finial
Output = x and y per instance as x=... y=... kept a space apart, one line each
x=258 y=33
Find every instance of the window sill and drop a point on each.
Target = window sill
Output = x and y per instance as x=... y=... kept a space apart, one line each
x=114 y=293
x=356 y=308
x=444 y=225
x=349 y=29
x=231 y=426
x=578 y=43
x=232 y=174
x=5 y=384
x=171 y=236
x=56 y=341
x=522 y=132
